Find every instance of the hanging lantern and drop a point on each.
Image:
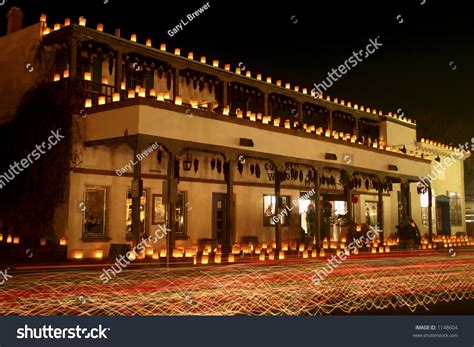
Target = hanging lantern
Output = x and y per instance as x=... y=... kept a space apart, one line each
x=187 y=163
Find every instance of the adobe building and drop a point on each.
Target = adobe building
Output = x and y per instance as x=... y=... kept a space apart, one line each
x=217 y=154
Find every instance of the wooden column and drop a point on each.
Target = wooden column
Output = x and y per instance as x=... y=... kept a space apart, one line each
x=317 y=206
x=73 y=59
x=225 y=100
x=330 y=125
x=355 y=129
x=404 y=199
x=175 y=82
x=278 y=175
x=171 y=198
x=265 y=104
x=348 y=194
x=137 y=191
x=380 y=213
x=300 y=113
x=229 y=236
x=118 y=70
x=430 y=214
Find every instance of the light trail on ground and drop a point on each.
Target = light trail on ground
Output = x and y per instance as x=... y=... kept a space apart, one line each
x=245 y=289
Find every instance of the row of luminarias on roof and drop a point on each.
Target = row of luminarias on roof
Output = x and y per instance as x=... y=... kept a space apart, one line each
x=276 y=121
x=238 y=70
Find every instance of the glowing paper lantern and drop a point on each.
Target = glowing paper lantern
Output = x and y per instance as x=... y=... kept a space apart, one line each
x=148 y=42
x=231 y=258
x=62 y=241
x=56 y=77
x=82 y=21
x=101 y=100
x=98 y=254
x=16 y=240
x=131 y=94
x=78 y=254
x=178 y=100
x=177 y=51
x=100 y=27
x=204 y=259
x=116 y=97
x=88 y=103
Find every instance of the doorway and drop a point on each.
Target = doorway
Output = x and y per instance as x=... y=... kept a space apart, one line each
x=219 y=220
x=443 y=218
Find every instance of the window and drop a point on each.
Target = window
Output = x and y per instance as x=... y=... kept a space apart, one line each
x=181 y=215
x=128 y=222
x=424 y=208
x=455 y=209
x=94 y=212
x=160 y=213
x=269 y=203
x=371 y=213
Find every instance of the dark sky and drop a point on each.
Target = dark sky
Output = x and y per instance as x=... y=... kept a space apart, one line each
x=425 y=66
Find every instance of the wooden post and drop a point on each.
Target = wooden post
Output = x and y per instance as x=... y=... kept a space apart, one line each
x=171 y=199
x=355 y=129
x=265 y=104
x=229 y=236
x=225 y=100
x=317 y=206
x=175 y=82
x=300 y=113
x=330 y=120
x=137 y=191
x=430 y=214
x=277 y=208
x=73 y=67
x=118 y=71
x=380 y=213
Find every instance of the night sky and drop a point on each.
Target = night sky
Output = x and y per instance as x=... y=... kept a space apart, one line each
x=424 y=68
